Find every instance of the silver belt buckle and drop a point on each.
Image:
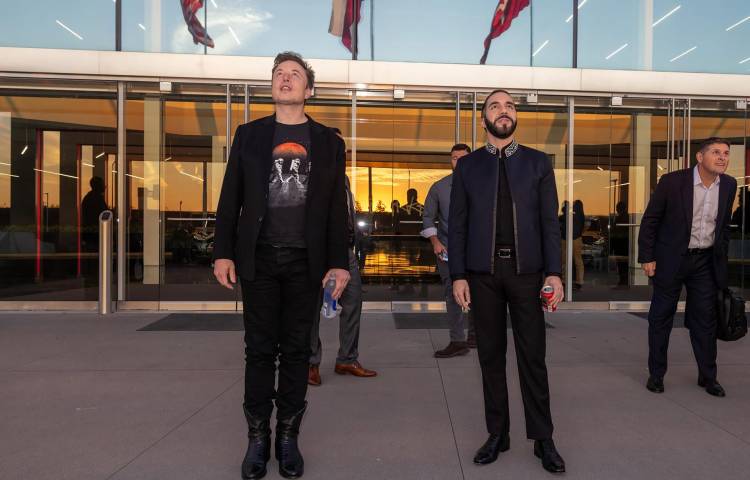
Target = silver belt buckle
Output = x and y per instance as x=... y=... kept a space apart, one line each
x=504 y=253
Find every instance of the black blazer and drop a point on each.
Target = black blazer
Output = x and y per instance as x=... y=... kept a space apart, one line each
x=244 y=198
x=471 y=229
x=666 y=225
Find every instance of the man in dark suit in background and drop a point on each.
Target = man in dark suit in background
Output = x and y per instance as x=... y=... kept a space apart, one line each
x=504 y=240
x=683 y=240
x=282 y=218
x=92 y=205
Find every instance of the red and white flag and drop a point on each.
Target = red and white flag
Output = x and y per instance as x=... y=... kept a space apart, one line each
x=505 y=12
x=345 y=15
x=189 y=10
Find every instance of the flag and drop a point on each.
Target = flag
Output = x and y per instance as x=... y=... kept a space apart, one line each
x=345 y=15
x=199 y=33
x=505 y=12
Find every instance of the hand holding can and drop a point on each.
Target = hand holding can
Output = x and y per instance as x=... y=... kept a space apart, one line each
x=546 y=295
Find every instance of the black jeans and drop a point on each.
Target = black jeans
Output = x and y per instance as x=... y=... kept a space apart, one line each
x=696 y=273
x=491 y=295
x=279 y=305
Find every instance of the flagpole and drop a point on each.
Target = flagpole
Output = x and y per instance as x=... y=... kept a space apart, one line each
x=372 y=31
x=355 y=32
x=531 y=33
x=118 y=25
x=575 y=34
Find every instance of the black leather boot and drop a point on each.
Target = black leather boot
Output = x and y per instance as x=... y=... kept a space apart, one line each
x=258 y=447
x=291 y=464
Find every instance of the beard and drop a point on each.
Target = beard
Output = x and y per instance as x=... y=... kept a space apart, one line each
x=501 y=132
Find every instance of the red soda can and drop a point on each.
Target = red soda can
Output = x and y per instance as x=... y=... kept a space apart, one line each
x=546 y=295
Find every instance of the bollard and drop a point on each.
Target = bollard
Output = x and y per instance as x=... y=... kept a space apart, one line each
x=105 y=262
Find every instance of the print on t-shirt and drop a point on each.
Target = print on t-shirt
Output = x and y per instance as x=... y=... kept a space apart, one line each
x=288 y=183
x=284 y=221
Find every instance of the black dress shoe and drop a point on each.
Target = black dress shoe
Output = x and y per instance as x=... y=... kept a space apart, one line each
x=655 y=384
x=488 y=452
x=258 y=447
x=712 y=388
x=551 y=460
x=452 y=350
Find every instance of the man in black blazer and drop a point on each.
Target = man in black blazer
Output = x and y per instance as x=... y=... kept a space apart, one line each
x=281 y=227
x=504 y=243
x=683 y=241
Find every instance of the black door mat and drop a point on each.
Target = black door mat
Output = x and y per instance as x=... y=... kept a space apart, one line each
x=679 y=318
x=432 y=321
x=197 y=322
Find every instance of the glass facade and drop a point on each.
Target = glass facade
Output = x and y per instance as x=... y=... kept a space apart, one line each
x=661 y=35
x=57 y=151
x=664 y=35
x=59 y=169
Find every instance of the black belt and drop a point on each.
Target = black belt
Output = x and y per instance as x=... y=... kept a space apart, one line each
x=699 y=251
x=501 y=252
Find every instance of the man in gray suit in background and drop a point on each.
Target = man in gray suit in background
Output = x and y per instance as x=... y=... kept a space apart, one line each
x=350 y=304
x=435 y=228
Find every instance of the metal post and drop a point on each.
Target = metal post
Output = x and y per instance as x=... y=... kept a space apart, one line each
x=569 y=197
x=229 y=126
x=458 y=118
x=105 y=262
x=688 y=126
x=122 y=224
x=474 y=121
x=353 y=180
x=246 y=118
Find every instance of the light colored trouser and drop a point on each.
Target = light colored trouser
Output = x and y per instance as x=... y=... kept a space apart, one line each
x=351 y=311
x=577 y=259
x=456 y=317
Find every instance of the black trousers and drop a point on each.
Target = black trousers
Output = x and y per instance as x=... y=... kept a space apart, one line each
x=491 y=296
x=279 y=306
x=696 y=273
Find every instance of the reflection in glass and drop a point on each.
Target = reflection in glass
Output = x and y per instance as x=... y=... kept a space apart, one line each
x=177 y=150
x=79 y=25
x=721 y=118
x=51 y=147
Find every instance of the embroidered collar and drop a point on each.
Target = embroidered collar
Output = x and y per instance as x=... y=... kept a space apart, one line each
x=508 y=150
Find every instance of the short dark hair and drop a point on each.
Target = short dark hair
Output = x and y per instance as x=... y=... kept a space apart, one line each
x=710 y=141
x=461 y=146
x=296 y=58
x=497 y=90
x=97 y=183
x=336 y=130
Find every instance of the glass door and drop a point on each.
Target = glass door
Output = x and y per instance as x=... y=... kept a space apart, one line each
x=621 y=150
x=402 y=148
x=176 y=157
x=727 y=119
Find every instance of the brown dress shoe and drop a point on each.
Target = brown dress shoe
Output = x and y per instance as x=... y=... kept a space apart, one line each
x=313 y=376
x=471 y=341
x=452 y=350
x=354 y=368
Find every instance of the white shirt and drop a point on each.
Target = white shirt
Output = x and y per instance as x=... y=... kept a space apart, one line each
x=705 y=211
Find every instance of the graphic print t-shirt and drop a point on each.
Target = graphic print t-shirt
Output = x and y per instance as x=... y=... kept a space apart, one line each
x=284 y=222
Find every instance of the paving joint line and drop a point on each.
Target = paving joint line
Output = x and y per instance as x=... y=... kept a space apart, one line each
x=175 y=428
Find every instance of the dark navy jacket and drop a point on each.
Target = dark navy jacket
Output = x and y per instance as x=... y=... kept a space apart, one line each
x=668 y=219
x=471 y=236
